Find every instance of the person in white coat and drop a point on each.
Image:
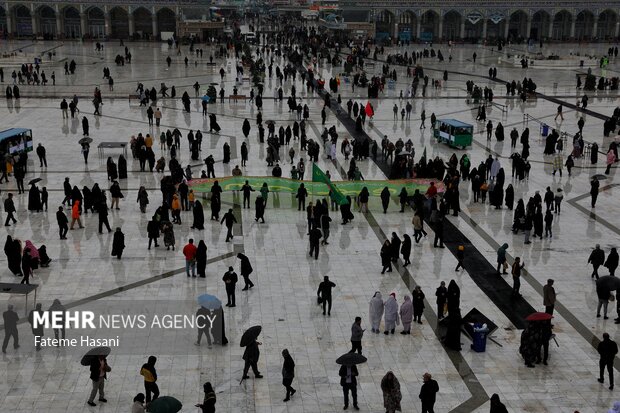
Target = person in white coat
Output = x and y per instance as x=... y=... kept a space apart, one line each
x=375 y=312
x=495 y=167
x=406 y=315
x=391 y=314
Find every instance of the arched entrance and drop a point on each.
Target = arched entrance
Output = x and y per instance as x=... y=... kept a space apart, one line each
x=518 y=25
x=143 y=22
x=607 y=22
x=119 y=22
x=23 y=21
x=561 y=25
x=474 y=25
x=72 y=27
x=96 y=23
x=429 y=26
x=451 y=25
x=47 y=21
x=384 y=24
x=166 y=21
x=496 y=24
x=540 y=25
x=406 y=26
x=584 y=24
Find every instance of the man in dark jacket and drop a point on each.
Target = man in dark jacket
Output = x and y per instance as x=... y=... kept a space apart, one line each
x=348 y=382
x=608 y=350
x=246 y=189
x=230 y=220
x=98 y=373
x=597 y=258
x=68 y=190
x=442 y=295
x=103 y=216
x=325 y=220
x=288 y=374
x=246 y=270
x=63 y=223
x=10 y=319
x=357 y=332
x=9 y=208
x=250 y=356
x=315 y=237
x=594 y=185
x=428 y=393
x=325 y=294
x=302 y=193
x=152 y=229
x=230 y=279
x=41 y=155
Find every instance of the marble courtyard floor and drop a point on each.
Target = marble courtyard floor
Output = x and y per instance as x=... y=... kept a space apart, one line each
x=83 y=274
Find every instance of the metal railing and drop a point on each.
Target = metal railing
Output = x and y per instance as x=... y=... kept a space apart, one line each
x=501 y=107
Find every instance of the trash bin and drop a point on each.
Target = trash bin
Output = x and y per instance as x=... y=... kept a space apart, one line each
x=544 y=129
x=479 y=344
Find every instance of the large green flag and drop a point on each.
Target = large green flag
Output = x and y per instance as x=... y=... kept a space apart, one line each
x=319 y=176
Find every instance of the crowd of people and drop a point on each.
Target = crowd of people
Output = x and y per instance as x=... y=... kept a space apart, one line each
x=486 y=180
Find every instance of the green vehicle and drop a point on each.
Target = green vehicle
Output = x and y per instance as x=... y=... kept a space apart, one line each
x=454 y=133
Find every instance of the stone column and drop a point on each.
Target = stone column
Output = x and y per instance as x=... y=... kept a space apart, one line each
x=35 y=19
x=440 y=34
x=462 y=35
x=154 y=23
x=395 y=33
x=106 y=19
x=506 y=26
x=528 y=27
x=484 y=28
x=9 y=21
x=59 y=28
x=572 y=27
x=616 y=30
x=418 y=27
x=594 y=28
x=551 y=27
x=130 y=19
x=83 y=22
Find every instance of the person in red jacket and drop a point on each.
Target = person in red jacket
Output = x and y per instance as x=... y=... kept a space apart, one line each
x=431 y=191
x=189 y=251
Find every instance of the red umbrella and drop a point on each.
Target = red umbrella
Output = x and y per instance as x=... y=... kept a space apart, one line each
x=539 y=317
x=369 y=111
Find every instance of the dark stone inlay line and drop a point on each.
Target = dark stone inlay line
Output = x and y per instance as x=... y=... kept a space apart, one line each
x=133 y=285
x=590 y=212
x=584 y=331
x=478 y=395
x=480 y=270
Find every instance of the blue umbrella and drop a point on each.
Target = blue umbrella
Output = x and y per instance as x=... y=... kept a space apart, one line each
x=209 y=301
x=206 y=98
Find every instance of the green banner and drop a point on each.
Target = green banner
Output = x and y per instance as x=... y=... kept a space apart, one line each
x=318 y=189
x=319 y=176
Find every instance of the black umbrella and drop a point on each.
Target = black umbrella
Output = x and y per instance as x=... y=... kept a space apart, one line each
x=351 y=359
x=85 y=140
x=250 y=335
x=608 y=282
x=34 y=181
x=94 y=352
x=599 y=177
x=214 y=83
x=269 y=122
